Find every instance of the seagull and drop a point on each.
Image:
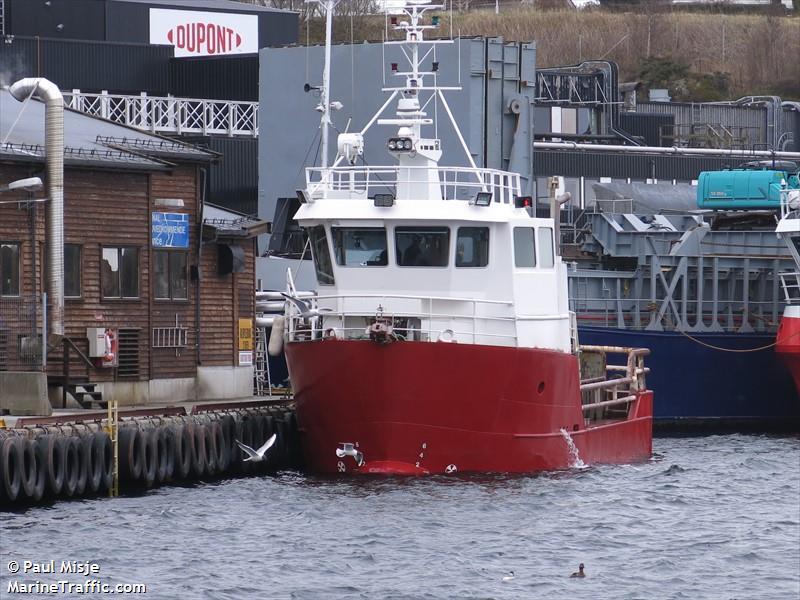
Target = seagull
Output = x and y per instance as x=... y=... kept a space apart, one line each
x=304 y=306
x=256 y=455
x=508 y=577
x=579 y=572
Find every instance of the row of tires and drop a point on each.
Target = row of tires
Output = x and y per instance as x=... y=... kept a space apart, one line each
x=54 y=466
x=58 y=466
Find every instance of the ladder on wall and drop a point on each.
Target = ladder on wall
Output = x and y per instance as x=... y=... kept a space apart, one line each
x=263 y=382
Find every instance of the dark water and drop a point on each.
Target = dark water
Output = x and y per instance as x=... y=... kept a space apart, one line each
x=708 y=517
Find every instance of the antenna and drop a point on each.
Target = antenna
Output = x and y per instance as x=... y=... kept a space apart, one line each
x=325 y=104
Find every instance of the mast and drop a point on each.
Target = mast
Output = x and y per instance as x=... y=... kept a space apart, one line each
x=325 y=104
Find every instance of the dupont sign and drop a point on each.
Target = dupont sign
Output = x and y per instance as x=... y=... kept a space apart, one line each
x=195 y=33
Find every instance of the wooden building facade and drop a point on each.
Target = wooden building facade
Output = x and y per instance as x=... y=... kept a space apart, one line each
x=157 y=304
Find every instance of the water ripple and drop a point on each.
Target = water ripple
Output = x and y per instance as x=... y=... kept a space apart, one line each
x=707 y=517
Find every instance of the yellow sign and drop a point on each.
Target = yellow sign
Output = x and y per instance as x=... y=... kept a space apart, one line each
x=246 y=334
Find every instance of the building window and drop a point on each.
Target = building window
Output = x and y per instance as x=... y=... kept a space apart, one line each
x=72 y=270
x=321 y=255
x=472 y=247
x=546 y=255
x=9 y=268
x=524 y=249
x=120 y=272
x=363 y=247
x=422 y=246
x=171 y=280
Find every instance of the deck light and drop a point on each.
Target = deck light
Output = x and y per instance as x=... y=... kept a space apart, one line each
x=394 y=67
x=302 y=196
x=483 y=199
x=435 y=20
x=383 y=200
x=400 y=144
x=435 y=66
x=393 y=20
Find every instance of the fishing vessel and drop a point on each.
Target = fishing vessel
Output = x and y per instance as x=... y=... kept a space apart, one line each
x=440 y=339
x=788 y=338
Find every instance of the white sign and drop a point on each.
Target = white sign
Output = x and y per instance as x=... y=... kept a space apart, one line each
x=195 y=33
x=245 y=359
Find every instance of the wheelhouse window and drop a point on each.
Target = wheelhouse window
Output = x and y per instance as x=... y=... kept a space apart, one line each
x=422 y=246
x=9 y=268
x=321 y=255
x=170 y=275
x=360 y=247
x=72 y=270
x=524 y=248
x=472 y=247
x=120 y=272
x=546 y=254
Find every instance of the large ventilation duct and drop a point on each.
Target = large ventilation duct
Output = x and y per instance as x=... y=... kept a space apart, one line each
x=54 y=152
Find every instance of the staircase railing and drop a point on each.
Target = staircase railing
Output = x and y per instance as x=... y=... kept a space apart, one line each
x=69 y=345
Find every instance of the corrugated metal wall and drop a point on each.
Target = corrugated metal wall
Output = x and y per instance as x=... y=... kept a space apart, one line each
x=791 y=120
x=88 y=66
x=231 y=77
x=233 y=182
x=751 y=119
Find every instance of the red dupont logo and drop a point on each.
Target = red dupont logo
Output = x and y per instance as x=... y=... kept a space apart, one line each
x=204 y=38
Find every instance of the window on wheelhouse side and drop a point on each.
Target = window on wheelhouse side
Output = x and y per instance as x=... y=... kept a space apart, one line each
x=524 y=248
x=546 y=254
x=422 y=246
x=472 y=247
x=321 y=255
x=360 y=247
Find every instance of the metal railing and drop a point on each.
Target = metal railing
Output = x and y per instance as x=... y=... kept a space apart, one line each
x=22 y=333
x=790 y=282
x=457 y=183
x=403 y=324
x=178 y=116
x=619 y=391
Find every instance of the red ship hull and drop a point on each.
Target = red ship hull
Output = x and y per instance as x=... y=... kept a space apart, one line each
x=787 y=343
x=420 y=408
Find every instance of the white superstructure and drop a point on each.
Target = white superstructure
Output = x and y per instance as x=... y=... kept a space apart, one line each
x=426 y=252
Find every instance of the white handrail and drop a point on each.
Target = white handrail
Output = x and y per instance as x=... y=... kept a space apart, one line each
x=359 y=181
x=166 y=114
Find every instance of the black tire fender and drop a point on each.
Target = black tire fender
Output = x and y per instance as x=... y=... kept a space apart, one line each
x=72 y=465
x=10 y=467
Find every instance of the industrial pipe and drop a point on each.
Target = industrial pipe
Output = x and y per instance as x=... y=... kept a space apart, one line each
x=54 y=155
x=670 y=150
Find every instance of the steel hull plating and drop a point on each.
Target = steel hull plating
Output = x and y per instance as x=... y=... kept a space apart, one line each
x=787 y=344
x=418 y=408
x=713 y=385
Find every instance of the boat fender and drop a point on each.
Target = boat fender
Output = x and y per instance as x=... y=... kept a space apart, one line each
x=52 y=450
x=220 y=447
x=9 y=465
x=72 y=458
x=27 y=466
x=41 y=472
x=84 y=465
x=131 y=453
x=275 y=346
x=105 y=454
x=181 y=443
x=199 y=454
x=150 y=466
x=93 y=457
x=166 y=458
x=211 y=450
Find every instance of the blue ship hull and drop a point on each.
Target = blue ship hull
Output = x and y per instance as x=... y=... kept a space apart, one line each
x=698 y=385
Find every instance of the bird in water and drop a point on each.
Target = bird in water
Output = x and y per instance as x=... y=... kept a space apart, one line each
x=579 y=572
x=256 y=455
x=508 y=577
